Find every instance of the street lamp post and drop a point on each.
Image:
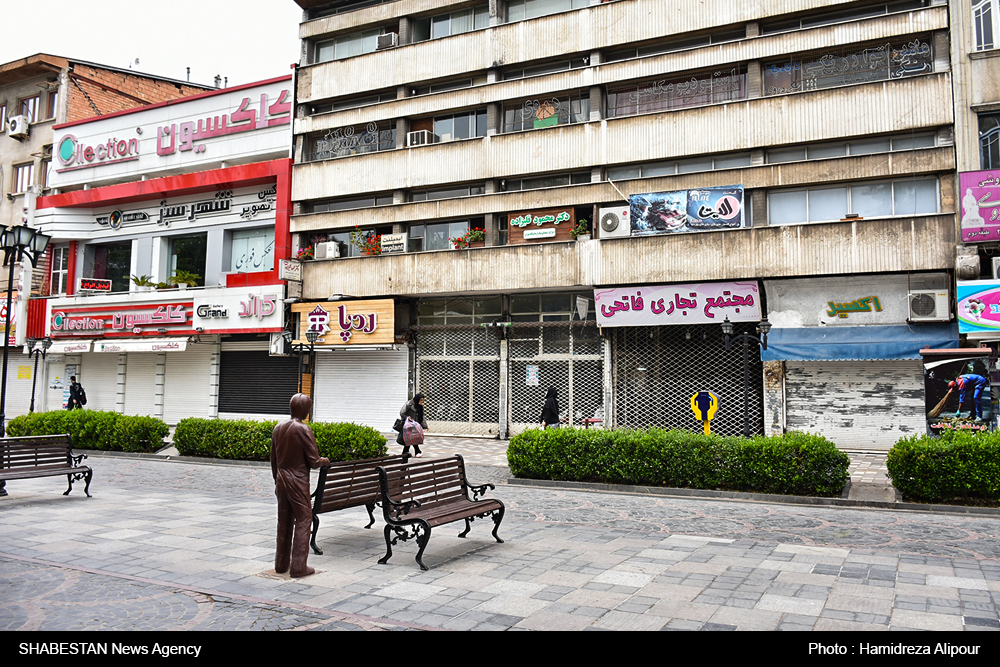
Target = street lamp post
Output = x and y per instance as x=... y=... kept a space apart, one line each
x=36 y=352
x=17 y=243
x=762 y=329
x=311 y=336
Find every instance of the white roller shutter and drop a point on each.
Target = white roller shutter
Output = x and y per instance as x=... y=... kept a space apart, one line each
x=140 y=383
x=20 y=369
x=99 y=378
x=188 y=383
x=855 y=404
x=366 y=387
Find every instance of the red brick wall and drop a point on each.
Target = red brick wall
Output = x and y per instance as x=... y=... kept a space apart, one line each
x=94 y=91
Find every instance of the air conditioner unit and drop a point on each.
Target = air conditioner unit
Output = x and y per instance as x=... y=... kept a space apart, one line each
x=614 y=222
x=420 y=138
x=328 y=250
x=387 y=41
x=17 y=126
x=928 y=305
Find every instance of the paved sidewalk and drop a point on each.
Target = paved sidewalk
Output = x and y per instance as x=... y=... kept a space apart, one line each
x=165 y=544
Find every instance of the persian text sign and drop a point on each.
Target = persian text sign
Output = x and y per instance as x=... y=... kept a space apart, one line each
x=705 y=209
x=656 y=305
x=240 y=310
x=980 y=193
x=551 y=225
x=119 y=320
x=978 y=306
x=347 y=322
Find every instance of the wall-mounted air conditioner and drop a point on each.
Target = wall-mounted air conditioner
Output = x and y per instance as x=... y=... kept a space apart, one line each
x=420 y=138
x=17 y=127
x=327 y=250
x=614 y=222
x=387 y=41
x=928 y=305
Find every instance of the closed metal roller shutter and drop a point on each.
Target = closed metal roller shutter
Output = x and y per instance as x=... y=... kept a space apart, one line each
x=855 y=404
x=140 y=383
x=19 y=388
x=366 y=387
x=99 y=378
x=188 y=383
x=254 y=383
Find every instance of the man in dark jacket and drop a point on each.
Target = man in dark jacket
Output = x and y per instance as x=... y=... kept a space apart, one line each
x=293 y=453
x=76 y=395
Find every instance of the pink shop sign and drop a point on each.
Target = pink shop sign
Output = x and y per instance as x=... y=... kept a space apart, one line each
x=979 y=192
x=656 y=305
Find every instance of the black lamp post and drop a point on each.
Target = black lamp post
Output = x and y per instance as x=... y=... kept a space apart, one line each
x=36 y=352
x=762 y=329
x=311 y=336
x=17 y=243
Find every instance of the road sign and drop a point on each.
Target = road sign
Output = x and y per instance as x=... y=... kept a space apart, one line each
x=703 y=405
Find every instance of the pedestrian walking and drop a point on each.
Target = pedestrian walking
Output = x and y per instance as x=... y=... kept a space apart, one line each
x=77 y=396
x=977 y=383
x=550 y=412
x=293 y=454
x=412 y=409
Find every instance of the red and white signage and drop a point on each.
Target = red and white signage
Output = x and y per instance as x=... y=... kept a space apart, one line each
x=125 y=320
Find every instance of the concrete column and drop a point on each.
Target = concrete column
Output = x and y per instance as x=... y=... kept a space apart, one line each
x=754 y=80
x=774 y=397
x=491 y=227
x=405 y=30
x=494 y=119
x=498 y=12
x=753 y=29
x=402 y=127
x=596 y=103
x=758 y=207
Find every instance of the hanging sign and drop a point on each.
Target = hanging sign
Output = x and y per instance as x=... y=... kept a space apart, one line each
x=704 y=209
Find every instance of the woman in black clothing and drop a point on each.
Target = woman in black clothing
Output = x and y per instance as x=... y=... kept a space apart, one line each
x=550 y=413
x=414 y=409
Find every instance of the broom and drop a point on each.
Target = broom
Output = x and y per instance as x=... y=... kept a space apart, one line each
x=939 y=408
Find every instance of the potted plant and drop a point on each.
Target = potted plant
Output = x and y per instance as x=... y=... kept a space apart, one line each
x=582 y=231
x=306 y=253
x=475 y=238
x=184 y=278
x=459 y=243
x=369 y=243
x=143 y=283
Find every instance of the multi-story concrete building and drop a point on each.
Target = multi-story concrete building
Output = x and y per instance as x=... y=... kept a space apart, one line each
x=793 y=160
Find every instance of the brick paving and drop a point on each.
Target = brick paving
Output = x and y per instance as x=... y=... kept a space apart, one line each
x=170 y=544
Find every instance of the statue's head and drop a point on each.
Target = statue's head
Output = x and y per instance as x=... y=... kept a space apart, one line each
x=300 y=405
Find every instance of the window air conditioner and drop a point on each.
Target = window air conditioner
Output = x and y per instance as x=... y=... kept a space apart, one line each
x=17 y=126
x=387 y=41
x=929 y=305
x=614 y=222
x=327 y=250
x=420 y=138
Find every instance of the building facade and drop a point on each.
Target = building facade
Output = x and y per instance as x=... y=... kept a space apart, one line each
x=168 y=232
x=723 y=165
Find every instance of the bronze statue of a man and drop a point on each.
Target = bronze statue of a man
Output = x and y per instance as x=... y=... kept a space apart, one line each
x=293 y=453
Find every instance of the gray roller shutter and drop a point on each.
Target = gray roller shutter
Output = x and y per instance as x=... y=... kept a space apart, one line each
x=140 y=383
x=188 y=383
x=855 y=404
x=366 y=387
x=20 y=369
x=99 y=378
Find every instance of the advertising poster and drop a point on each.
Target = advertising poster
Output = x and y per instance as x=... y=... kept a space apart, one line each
x=979 y=192
x=978 y=306
x=957 y=394
x=705 y=209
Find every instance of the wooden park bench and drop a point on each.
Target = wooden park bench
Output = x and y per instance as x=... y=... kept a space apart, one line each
x=348 y=484
x=419 y=495
x=41 y=456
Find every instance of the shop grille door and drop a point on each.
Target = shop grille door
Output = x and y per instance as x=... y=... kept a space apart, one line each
x=658 y=369
x=458 y=371
x=566 y=355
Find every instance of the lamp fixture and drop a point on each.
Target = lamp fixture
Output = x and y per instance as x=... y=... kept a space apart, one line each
x=161 y=330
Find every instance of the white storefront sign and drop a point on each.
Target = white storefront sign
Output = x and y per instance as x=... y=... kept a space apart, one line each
x=240 y=309
x=656 y=305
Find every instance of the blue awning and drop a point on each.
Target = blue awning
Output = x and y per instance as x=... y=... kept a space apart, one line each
x=849 y=343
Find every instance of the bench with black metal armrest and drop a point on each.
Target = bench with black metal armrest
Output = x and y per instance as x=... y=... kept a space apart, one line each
x=348 y=484
x=419 y=495
x=33 y=456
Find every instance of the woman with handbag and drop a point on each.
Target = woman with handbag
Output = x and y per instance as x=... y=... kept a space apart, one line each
x=412 y=409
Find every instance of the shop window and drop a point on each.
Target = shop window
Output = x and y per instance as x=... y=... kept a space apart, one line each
x=696 y=89
x=849 y=66
x=840 y=16
x=868 y=200
x=187 y=253
x=28 y=106
x=109 y=261
x=534 y=114
x=24 y=175
x=671 y=167
x=453 y=23
x=519 y=10
x=60 y=270
x=346 y=46
x=985 y=23
x=252 y=250
x=989 y=141
x=353 y=140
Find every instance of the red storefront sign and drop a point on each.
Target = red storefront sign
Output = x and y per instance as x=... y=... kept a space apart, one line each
x=127 y=320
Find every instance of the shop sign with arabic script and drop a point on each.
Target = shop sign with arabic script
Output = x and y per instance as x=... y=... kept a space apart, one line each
x=979 y=192
x=656 y=305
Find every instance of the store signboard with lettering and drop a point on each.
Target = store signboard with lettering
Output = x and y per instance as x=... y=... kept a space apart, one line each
x=979 y=192
x=548 y=225
x=656 y=305
x=339 y=323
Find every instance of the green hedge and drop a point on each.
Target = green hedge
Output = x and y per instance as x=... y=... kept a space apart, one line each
x=793 y=464
x=91 y=429
x=959 y=465
x=247 y=440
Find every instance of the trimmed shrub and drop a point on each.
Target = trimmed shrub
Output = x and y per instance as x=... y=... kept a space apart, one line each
x=957 y=465
x=91 y=429
x=248 y=440
x=792 y=464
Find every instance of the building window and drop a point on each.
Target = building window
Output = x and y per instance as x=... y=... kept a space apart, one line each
x=519 y=10
x=549 y=67
x=3 y=117
x=46 y=172
x=461 y=125
x=853 y=65
x=252 y=250
x=60 y=270
x=878 y=199
x=985 y=19
x=534 y=114
x=353 y=102
x=346 y=46
x=112 y=262
x=28 y=106
x=671 y=167
x=459 y=311
x=352 y=203
x=436 y=236
x=452 y=84
x=865 y=146
x=840 y=16
x=688 y=91
x=454 y=23
x=187 y=253
x=449 y=192
x=53 y=106
x=550 y=181
x=675 y=44
x=353 y=141
x=989 y=140
x=24 y=175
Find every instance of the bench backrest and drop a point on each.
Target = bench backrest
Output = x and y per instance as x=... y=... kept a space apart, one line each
x=350 y=483
x=431 y=481
x=36 y=451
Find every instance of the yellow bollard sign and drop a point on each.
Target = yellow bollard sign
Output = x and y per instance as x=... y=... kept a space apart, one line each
x=703 y=405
